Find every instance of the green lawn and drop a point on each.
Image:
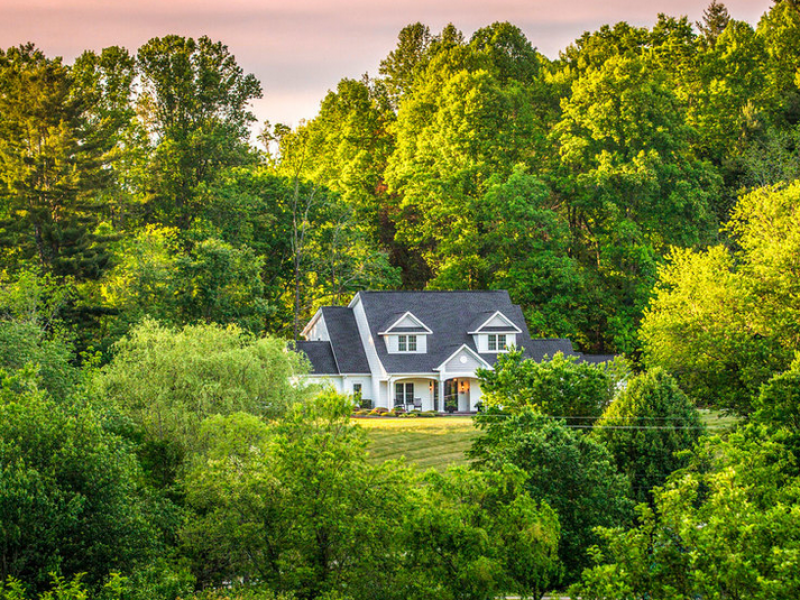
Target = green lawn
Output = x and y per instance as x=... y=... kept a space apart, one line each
x=429 y=442
x=714 y=420
x=438 y=442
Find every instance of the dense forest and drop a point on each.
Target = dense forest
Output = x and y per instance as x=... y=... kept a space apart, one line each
x=640 y=194
x=129 y=181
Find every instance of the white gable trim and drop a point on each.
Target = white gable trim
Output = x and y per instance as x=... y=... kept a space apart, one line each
x=413 y=318
x=312 y=322
x=503 y=317
x=470 y=351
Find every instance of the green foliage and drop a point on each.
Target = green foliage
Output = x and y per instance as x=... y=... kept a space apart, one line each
x=168 y=381
x=13 y=589
x=724 y=528
x=632 y=185
x=478 y=535
x=194 y=103
x=724 y=323
x=70 y=500
x=402 y=64
x=32 y=331
x=524 y=247
x=55 y=159
x=345 y=148
x=296 y=505
x=646 y=428
x=779 y=29
x=560 y=386
x=142 y=280
x=570 y=471
x=238 y=593
x=778 y=405
x=24 y=344
x=218 y=283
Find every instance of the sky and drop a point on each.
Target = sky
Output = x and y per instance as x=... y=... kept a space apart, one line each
x=300 y=49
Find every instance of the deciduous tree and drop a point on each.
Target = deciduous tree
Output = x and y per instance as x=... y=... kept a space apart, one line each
x=569 y=470
x=649 y=424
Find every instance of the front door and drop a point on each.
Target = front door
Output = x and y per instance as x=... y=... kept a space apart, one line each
x=463 y=395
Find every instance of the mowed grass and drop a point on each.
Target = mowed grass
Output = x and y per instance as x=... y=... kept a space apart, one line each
x=428 y=442
x=716 y=421
x=438 y=442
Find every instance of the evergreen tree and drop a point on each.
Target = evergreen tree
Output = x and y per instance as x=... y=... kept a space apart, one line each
x=54 y=160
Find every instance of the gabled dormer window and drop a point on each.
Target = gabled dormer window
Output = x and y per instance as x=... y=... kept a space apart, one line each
x=494 y=332
x=405 y=333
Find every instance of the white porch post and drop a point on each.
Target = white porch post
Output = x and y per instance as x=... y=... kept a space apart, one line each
x=440 y=383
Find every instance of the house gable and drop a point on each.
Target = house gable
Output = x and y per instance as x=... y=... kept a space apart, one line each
x=316 y=330
x=496 y=323
x=407 y=323
x=463 y=360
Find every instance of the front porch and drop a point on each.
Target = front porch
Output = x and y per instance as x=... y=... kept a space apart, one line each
x=454 y=395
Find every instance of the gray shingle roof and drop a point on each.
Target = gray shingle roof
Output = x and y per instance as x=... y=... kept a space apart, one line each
x=320 y=355
x=449 y=315
x=597 y=359
x=345 y=341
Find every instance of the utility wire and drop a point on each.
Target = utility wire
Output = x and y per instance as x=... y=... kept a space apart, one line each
x=620 y=426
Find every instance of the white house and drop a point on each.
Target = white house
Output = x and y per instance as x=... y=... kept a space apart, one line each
x=419 y=349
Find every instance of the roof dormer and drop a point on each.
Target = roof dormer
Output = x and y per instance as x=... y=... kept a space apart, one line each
x=406 y=323
x=496 y=322
x=494 y=333
x=406 y=335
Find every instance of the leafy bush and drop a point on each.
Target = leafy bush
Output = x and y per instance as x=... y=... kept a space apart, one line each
x=564 y=467
x=560 y=386
x=167 y=381
x=70 y=497
x=726 y=527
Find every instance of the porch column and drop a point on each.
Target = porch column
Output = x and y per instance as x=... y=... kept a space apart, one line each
x=440 y=383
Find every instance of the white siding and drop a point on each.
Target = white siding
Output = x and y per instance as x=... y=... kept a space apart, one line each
x=366 y=387
x=475 y=395
x=319 y=332
x=391 y=344
x=463 y=362
x=407 y=321
x=482 y=342
x=499 y=320
x=333 y=381
x=375 y=366
x=422 y=390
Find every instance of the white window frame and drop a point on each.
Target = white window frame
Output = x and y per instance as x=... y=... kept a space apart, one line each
x=403 y=393
x=497 y=342
x=407 y=343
